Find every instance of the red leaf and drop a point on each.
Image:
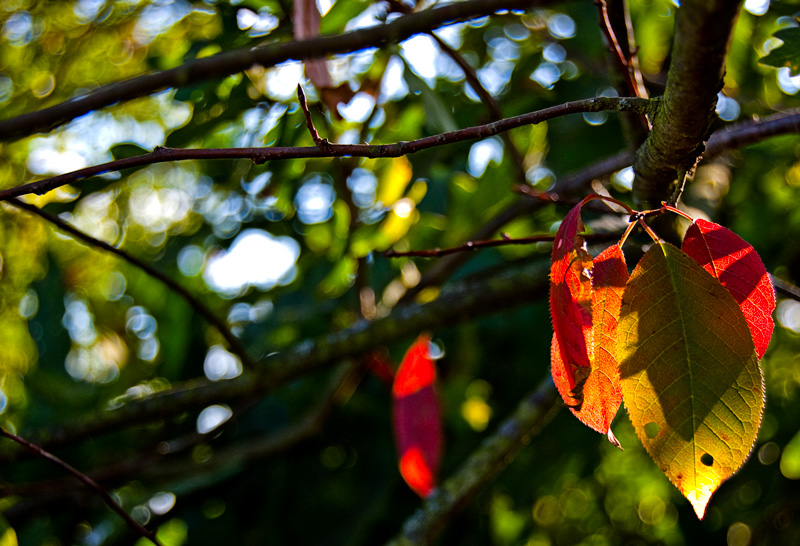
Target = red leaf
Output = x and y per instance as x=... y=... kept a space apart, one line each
x=417 y=421
x=570 y=308
x=597 y=388
x=738 y=267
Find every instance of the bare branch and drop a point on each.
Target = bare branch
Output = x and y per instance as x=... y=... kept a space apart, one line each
x=496 y=453
x=262 y=155
x=86 y=480
x=232 y=62
x=233 y=342
x=478 y=245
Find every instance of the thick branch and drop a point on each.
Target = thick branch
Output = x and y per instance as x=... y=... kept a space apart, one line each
x=232 y=62
x=262 y=155
x=683 y=122
x=480 y=469
x=463 y=301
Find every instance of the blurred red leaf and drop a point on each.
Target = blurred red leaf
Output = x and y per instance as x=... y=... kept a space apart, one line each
x=417 y=421
x=738 y=267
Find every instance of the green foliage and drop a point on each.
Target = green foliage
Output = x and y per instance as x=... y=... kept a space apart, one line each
x=84 y=333
x=788 y=53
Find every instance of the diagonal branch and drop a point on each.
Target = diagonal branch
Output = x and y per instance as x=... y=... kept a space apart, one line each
x=233 y=342
x=262 y=155
x=460 y=302
x=496 y=453
x=684 y=119
x=86 y=480
x=232 y=62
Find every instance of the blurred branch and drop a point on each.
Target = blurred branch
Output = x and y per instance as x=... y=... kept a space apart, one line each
x=262 y=155
x=232 y=62
x=752 y=131
x=787 y=289
x=487 y=99
x=683 y=121
x=494 y=455
x=159 y=464
x=86 y=480
x=233 y=342
x=463 y=301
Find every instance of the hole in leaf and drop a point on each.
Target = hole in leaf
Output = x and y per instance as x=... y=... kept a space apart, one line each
x=651 y=429
x=706 y=459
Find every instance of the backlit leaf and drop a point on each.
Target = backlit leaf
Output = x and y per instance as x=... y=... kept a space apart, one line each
x=602 y=393
x=570 y=308
x=417 y=422
x=737 y=266
x=690 y=375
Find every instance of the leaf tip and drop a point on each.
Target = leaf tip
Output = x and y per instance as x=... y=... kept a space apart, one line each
x=699 y=500
x=416 y=472
x=613 y=439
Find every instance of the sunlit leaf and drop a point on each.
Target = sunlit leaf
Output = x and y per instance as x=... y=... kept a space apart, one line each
x=417 y=422
x=690 y=375
x=737 y=266
x=602 y=393
x=570 y=309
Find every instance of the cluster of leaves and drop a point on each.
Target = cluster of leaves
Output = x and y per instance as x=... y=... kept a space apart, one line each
x=679 y=341
x=87 y=337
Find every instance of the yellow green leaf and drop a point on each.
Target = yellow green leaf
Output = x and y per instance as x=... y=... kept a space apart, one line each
x=690 y=375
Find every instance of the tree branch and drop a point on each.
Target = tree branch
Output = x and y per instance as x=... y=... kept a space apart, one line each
x=262 y=155
x=477 y=245
x=86 y=480
x=496 y=453
x=233 y=342
x=232 y=62
x=460 y=302
x=684 y=118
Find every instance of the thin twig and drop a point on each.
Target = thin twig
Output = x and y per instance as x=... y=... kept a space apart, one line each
x=232 y=62
x=301 y=97
x=90 y=483
x=477 y=245
x=233 y=342
x=262 y=155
